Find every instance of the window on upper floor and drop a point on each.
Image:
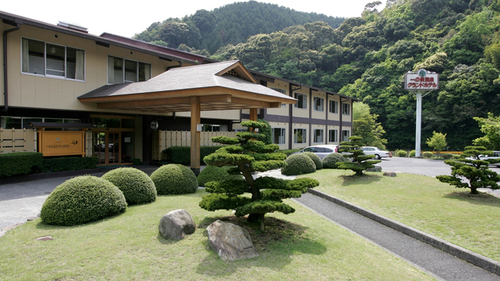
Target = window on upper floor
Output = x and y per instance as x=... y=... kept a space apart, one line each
x=278 y=136
x=318 y=136
x=333 y=106
x=299 y=136
x=52 y=60
x=124 y=71
x=281 y=91
x=346 y=109
x=319 y=104
x=333 y=135
x=301 y=100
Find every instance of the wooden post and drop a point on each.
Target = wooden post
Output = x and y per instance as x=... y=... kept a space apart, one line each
x=253 y=114
x=195 y=135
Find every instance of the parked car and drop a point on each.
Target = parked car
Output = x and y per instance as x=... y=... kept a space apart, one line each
x=320 y=150
x=372 y=150
x=494 y=156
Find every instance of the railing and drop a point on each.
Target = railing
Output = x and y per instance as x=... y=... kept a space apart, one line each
x=166 y=139
x=17 y=140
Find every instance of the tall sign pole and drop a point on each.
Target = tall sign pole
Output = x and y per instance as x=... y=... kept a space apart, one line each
x=417 y=82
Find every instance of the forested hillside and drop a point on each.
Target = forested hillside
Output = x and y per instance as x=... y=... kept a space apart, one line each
x=231 y=24
x=367 y=58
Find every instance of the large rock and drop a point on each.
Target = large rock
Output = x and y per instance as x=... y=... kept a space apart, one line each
x=230 y=242
x=176 y=225
x=390 y=174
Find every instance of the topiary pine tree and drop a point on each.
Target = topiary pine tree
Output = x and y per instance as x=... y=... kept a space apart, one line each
x=473 y=169
x=248 y=154
x=360 y=161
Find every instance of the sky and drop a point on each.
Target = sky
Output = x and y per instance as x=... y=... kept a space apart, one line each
x=127 y=18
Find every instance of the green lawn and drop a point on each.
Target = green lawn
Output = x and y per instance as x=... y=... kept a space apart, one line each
x=129 y=247
x=422 y=202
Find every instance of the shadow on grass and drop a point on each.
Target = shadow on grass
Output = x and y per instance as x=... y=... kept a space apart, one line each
x=356 y=180
x=483 y=199
x=276 y=245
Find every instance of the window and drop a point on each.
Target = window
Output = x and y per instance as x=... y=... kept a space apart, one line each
x=301 y=101
x=319 y=104
x=8 y=122
x=281 y=91
x=318 y=136
x=211 y=128
x=333 y=106
x=345 y=135
x=126 y=71
x=278 y=136
x=52 y=60
x=299 y=135
x=333 y=135
x=346 y=108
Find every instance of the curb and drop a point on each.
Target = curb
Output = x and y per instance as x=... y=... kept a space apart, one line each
x=474 y=258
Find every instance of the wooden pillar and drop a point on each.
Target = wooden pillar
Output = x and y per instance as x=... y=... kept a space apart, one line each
x=195 y=135
x=253 y=114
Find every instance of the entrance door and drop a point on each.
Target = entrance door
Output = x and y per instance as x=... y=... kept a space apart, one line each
x=107 y=148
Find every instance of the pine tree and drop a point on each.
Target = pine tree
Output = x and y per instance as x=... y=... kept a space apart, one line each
x=247 y=154
x=360 y=161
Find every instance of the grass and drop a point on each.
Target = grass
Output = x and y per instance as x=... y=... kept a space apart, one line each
x=299 y=246
x=422 y=202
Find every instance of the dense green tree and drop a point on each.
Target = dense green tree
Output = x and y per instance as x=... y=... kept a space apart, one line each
x=365 y=125
x=437 y=141
x=490 y=127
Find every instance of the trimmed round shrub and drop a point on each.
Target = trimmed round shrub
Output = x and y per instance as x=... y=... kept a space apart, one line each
x=412 y=153
x=214 y=173
x=428 y=154
x=447 y=156
x=81 y=200
x=298 y=164
x=330 y=161
x=315 y=158
x=174 y=179
x=401 y=153
x=136 y=185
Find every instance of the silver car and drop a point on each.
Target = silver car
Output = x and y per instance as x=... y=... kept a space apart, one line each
x=372 y=150
x=320 y=150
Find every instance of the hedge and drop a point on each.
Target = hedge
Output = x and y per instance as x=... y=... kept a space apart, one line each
x=69 y=164
x=182 y=154
x=20 y=163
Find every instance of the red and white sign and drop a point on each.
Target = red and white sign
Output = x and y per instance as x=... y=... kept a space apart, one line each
x=421 y=80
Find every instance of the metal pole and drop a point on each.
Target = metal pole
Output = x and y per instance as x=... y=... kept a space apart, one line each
x=418 y=124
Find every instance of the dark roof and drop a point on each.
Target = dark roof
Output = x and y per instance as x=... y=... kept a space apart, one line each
x=61 y=125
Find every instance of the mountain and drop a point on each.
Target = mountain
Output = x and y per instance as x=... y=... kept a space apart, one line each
x=230 y=24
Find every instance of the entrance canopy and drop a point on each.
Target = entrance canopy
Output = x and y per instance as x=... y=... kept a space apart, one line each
x=216 y=86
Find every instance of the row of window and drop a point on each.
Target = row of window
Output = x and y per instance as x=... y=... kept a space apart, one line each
x=47 y=59
x=300 y=136
x=7 y=122
x=318 y=104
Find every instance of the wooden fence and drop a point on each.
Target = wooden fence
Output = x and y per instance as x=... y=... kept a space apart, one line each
x=17 y=140
x=166 y=139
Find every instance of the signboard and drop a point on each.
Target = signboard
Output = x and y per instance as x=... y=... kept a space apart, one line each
x=421 y=80
x=60 y=143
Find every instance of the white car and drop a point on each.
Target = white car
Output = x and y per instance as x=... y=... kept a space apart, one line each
x=379 y=154
x=320 y=150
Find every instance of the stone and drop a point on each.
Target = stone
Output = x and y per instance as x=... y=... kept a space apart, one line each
x=230 y=242
x=389 y=174
x=375 y=169
x=176 y=225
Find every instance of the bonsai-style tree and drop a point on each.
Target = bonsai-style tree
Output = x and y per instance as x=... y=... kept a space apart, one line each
x=360 y=161
x=247 y=154
x=472 y=169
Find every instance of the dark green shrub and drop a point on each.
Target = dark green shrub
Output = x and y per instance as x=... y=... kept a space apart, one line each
x=289 y=151
x=69 y=164
x=298 y=164
x=447 y=156
x=412 y=153
x=214 y=173
x=174 y=179
x=81 y=200
x=315 y=158
x=330 y=161
x=401 y=153
x=136 y=185
x=182 y=154
x=428 y=155
x=20 y=163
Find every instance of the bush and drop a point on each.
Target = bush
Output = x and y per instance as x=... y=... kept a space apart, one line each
x=298 y=164
x=182 y=154
x=20 y=163
x=428 y=155
x=447 y=156
x=136 y=185
x=289 y=151
x=412 y=153
x=69 y=164
x=401 y=153
x=330 y=161
x=214 y=173
x=174 y=179
x=315 y=158
x=81 y=200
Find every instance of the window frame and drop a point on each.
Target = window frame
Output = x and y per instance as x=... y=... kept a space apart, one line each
x=281 y=137
x=335 y=106
x=321 y=106
x=125 y=73
x=335 y=135
x=345 y=135
x=316 y=135
x=302 y=99
x=346 y=109
x=303 y=135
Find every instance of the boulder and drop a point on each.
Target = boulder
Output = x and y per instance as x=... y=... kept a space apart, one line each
x=389 y=174
x=230 y=242
x=176 y=225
